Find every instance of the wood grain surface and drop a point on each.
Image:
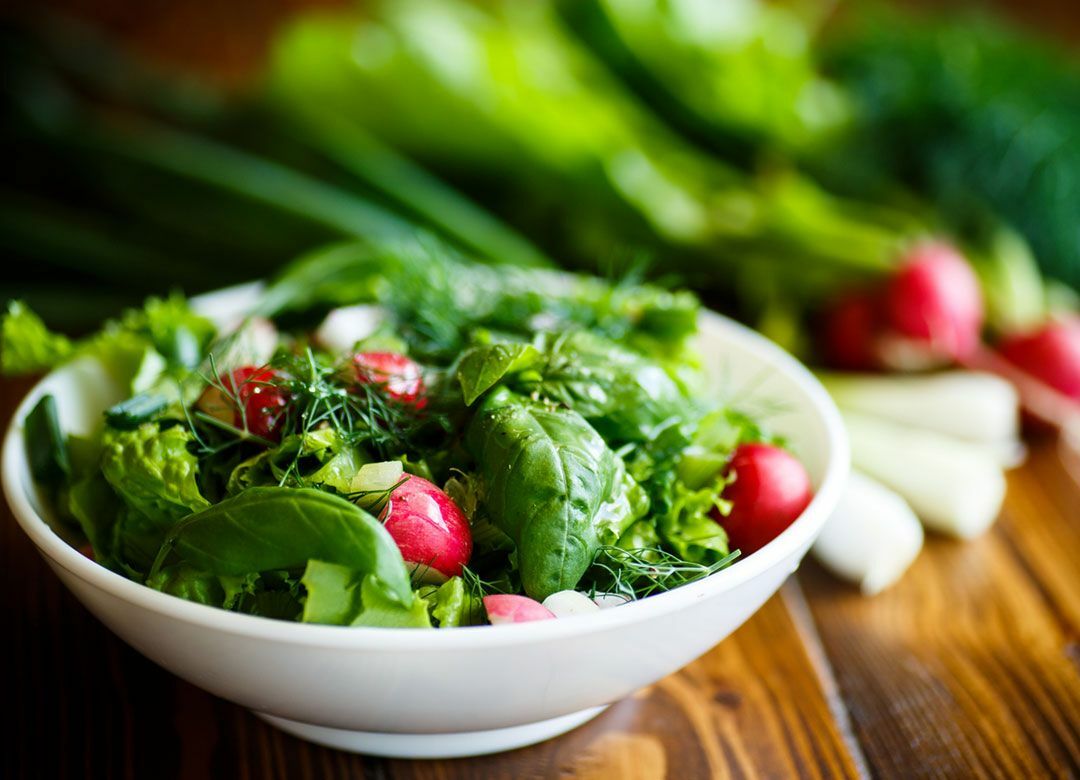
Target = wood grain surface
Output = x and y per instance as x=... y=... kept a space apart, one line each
x=969 y=667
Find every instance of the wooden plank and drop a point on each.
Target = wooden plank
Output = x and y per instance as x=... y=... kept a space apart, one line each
x=964 y=669
x=1042 y=524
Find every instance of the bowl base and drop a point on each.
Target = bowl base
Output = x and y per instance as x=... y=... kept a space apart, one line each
x=457 y=745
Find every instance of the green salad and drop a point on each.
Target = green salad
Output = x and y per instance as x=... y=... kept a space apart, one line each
x=395 y=435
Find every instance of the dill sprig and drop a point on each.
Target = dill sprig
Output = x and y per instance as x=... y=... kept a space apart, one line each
x=374 y=501
x=643 y=571
x=228 y=435
x=477 y=587
x=363 y=414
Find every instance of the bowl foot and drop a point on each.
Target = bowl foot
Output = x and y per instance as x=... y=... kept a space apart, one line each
x=466 y=743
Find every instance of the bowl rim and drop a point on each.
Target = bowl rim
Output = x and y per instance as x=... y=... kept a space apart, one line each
x=800 y=533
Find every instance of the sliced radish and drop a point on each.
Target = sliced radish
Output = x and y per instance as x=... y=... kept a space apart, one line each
x=247 y=399
x=508 y=608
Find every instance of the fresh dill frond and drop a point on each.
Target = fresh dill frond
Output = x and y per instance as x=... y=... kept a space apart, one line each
x=363 y=414
x=477 y=587
x=643 y=571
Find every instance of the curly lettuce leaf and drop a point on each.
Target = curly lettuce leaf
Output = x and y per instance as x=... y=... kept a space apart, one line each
x=271 y=594
x=135 y=349
x=687 y=527
x=153 y=470
x=176 y=332
x=452 y=604
x=316 y=459
x=26 y=345
x=190 y=584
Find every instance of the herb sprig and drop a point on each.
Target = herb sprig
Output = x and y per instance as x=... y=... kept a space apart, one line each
x=643 y=571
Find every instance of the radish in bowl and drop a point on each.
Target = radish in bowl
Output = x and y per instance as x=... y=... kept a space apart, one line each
x=430 y=530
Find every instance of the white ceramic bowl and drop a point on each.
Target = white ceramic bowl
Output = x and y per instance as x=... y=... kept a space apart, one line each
x=452 y=692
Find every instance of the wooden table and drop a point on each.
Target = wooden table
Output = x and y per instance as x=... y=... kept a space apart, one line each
x=970 y=667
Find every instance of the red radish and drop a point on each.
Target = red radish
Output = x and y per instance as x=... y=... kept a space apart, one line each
x=1050 y=354
x=398 y=374
x=849 y=330
x=249 y=401
x=431 y=531
x=933 y=303
x=87 y=550
x=507 y=608
x=770 y=489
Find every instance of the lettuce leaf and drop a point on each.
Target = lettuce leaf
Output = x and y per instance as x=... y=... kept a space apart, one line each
x=340 y=596
x=26 y=345
x=153 y=470
x=316 y=459
x=135 y=349
x=452 y=604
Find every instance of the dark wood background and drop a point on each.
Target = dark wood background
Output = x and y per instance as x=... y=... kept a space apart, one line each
x=970 y=667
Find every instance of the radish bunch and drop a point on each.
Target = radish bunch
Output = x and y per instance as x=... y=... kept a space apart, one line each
x=929 y=312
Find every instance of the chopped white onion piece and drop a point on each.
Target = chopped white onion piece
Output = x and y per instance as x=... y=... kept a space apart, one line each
x=570 y=602
x=872 y=536
x=343 y=327
x=377 y=476
x=966 y=404
x=609 y=600
x=955 y=487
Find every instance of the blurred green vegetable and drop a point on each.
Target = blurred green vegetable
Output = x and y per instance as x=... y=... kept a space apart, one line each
x=977 y=116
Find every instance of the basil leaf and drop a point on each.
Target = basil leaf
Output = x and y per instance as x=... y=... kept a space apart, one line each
x=267 y=528
x=130 y=414
x=548 y=479
x=624 y=395
x=46 y=449
x=481 y=368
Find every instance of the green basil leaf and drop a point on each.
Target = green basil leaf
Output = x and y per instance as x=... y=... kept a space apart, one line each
x=266 y=528
x=623 y=394
x=481 y=368
x=46 y=449
x=547 y=479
